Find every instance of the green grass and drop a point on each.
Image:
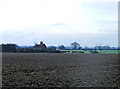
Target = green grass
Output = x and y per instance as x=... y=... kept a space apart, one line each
x=87 y=52
x=109 y=51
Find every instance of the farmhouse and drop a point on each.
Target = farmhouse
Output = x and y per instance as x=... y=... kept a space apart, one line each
x=40 y=46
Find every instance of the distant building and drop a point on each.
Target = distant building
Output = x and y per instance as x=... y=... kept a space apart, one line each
x=40 y=46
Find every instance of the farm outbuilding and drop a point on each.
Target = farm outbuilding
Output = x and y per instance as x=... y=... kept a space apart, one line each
x=40 y=46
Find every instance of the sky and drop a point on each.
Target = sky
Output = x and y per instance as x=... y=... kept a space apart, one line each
x=59 y=22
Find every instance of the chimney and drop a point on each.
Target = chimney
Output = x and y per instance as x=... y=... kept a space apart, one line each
x=41 y=42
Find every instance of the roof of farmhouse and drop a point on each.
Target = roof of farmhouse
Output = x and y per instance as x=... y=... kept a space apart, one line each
x=41 y=45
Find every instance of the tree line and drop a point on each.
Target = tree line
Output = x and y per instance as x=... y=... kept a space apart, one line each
x=52 y=49
x=15 y=48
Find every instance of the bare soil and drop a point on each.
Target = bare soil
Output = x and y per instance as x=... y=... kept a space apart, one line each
x=59 y=70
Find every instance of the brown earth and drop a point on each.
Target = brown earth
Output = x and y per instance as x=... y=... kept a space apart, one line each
x=59 y=70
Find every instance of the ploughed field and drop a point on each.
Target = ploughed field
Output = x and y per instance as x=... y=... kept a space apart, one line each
x=59 y=70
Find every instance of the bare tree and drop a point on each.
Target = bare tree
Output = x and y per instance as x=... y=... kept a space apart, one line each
x=75 y=45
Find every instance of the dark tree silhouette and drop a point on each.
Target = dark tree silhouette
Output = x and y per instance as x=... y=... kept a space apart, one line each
x=61 y=47
x=75 y=45
x=9 y=47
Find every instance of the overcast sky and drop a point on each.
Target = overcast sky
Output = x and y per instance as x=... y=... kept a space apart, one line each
x=56 y=22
